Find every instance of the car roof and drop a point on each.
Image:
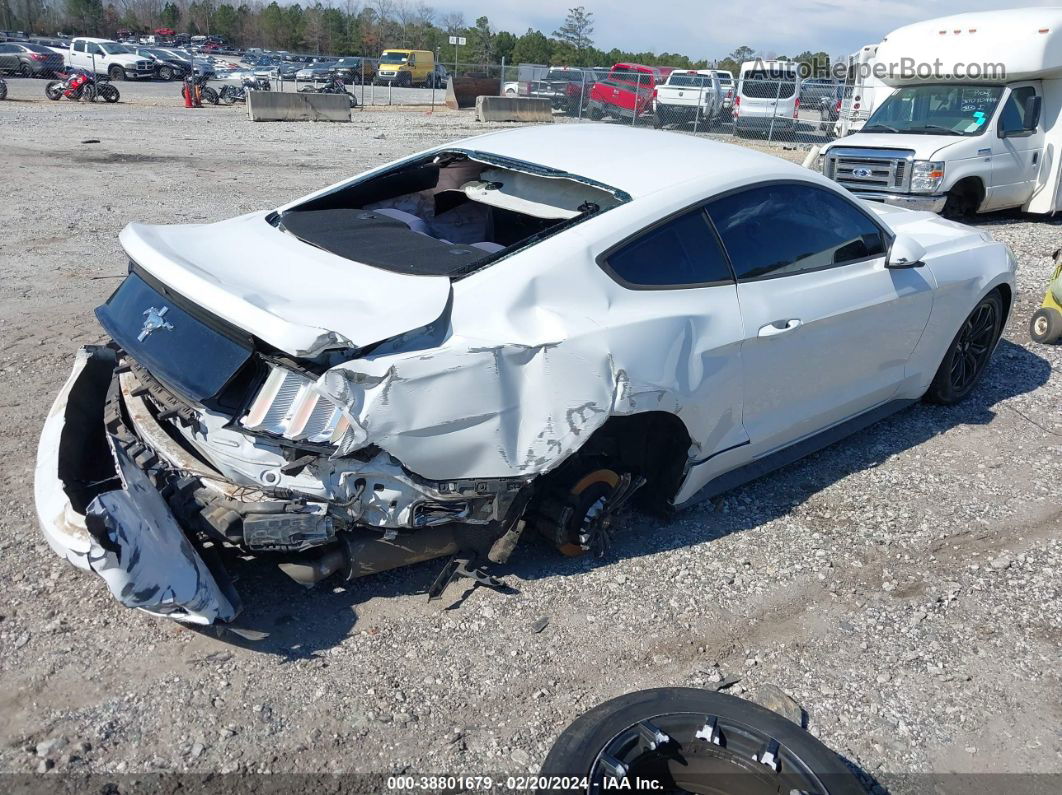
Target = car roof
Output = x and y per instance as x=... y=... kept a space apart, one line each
x=636 y=161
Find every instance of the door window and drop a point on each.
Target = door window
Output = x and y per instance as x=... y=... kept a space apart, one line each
x=787 y=228
x=682 y=252
x=94 y=48
x=1012 y=119
x=79 y=46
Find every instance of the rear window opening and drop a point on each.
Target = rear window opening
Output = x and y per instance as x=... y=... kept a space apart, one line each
x=446 y=215
x=767 y=84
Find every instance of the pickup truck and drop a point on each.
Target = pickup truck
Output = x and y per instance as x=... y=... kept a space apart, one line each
x=627 y=92
x=566 y=89
x=688 y=97
x=106 y=57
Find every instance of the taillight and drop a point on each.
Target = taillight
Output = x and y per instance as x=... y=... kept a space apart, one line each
x=38 y=56
x=737 y=106
x=796 y=107
x=837 y=107
x=654 y=93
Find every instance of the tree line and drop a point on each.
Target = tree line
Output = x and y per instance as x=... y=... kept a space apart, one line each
x=348 y=27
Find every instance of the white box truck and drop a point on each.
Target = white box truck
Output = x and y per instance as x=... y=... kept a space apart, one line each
x=974 y=122
x=863 y=91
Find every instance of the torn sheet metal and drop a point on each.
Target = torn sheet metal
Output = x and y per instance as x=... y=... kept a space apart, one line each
x=145 y=558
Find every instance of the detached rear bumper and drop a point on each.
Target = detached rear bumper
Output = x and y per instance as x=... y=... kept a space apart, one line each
x=101 y=512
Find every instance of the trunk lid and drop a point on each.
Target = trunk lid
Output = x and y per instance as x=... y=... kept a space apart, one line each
x=294 y=296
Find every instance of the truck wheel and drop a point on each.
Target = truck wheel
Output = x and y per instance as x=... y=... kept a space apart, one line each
x=1045 y=326
x=596 y=113
x=698 y=740
x=961 y=202
x=116 y=73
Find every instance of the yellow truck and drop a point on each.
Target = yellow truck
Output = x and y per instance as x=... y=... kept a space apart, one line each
x=407 y=68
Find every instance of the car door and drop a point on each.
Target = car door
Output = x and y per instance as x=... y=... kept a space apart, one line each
x=1016 y=157
x=675 y=326
x=8 y=60
x=78 y=55
x=828 y=328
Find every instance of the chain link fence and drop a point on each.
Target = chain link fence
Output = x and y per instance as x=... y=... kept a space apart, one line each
x=706 y=102
x=715 y=103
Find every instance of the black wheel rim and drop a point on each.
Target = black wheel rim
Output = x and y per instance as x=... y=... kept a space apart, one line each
x=973 y=347
x=685 y=752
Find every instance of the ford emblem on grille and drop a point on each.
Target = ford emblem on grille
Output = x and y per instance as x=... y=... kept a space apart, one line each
x=154 y=320
x=861 y=172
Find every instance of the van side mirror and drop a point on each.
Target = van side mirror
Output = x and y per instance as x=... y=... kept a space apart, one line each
x=905 y=252
x=1033 y=105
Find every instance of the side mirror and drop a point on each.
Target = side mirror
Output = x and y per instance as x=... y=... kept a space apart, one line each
x=905 y=252
x=1033 y=105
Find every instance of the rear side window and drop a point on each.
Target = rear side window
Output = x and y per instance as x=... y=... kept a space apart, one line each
x=785 y=229
x=682 y=252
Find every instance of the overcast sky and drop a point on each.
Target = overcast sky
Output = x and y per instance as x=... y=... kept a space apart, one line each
x=712 y=29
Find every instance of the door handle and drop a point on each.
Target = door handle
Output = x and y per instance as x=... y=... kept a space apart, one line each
x=779 y=327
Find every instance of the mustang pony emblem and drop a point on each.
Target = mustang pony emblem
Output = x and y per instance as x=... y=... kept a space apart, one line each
x=154 y=320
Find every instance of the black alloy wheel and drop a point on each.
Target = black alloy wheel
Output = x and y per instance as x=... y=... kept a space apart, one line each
x=968 y=353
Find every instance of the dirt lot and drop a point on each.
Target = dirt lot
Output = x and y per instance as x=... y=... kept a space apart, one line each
x=904 y=586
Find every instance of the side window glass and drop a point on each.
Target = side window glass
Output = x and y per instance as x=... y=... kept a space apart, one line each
x=785 y=229
x=1012 y=119
x=94 y=48
x=79 y=46
x=682 y=252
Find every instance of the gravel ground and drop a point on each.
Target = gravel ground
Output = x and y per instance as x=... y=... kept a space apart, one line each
x=904 y=586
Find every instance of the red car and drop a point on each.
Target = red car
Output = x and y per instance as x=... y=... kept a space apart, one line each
x=627 y=92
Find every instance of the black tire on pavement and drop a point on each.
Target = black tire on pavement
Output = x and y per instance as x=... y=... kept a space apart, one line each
x=734 y=735
x=108 y=93
x=210 y=95
x=3 y=90
x=24 y=70
x=969 y=353
x=116 y=73
x=353 y=100
x=1045 y=326
x=54 y=89
x=166 y=73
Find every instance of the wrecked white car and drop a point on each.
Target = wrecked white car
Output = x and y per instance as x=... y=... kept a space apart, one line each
x=528 y=328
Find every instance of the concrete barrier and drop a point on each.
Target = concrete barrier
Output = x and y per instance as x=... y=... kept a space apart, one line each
x=289 y=106
x=513 y=109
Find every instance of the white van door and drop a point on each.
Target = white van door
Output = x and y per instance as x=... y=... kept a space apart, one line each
x=1016 y=158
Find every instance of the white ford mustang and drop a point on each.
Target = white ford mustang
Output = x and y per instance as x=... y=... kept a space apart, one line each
x=525 y=329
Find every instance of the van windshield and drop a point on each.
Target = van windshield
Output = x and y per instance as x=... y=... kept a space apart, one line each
x=936 y=110
x=393 y=57
x=767 y=84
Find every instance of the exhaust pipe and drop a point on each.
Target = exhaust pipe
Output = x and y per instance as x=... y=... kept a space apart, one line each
x=361 y=554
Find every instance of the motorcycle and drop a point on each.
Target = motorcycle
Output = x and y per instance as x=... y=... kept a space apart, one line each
x=206 y=93
x=80 y=84
x=233 y=94
x=3 y=89
x=335 y=85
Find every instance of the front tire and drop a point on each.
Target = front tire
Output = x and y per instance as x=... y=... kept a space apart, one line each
x=25 y=71
x=210 y=95
x=969 y=353
x=116 y=73
x=1045 y=326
